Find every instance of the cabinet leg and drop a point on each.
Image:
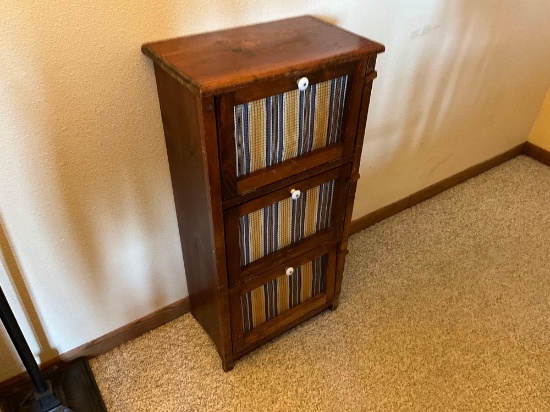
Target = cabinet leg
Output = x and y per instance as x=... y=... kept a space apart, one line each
x=227 y=364
x=334 y=305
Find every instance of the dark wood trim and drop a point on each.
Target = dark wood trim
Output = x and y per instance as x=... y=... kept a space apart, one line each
x=162 y=316
x=285 y=84
x=130 y=331
x=290 y=167
x=275 y=326
x=225 y=105
x=104 y=343
x=263 y=190
x=238 y=274
x=283 y=329
x=537 y=153
x=233 y=186
x=270 y=328
x=430 y=191
x=366 y=89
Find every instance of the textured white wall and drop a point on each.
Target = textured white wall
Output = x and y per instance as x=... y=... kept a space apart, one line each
x=89 y=235
x=462 y=81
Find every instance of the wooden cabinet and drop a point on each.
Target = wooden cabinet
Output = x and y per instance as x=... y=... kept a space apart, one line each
x=264 y=129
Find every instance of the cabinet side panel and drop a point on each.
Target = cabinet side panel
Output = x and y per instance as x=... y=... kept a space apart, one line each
x=181 y=117
x=368 y=66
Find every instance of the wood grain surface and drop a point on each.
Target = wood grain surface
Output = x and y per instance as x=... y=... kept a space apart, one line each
x=216 y=62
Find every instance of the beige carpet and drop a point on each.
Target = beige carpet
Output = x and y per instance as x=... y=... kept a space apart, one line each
x=445 y=307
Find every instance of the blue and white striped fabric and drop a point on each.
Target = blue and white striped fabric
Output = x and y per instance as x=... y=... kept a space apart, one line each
x=283 y=293
x=280 y=224
x=271 y=130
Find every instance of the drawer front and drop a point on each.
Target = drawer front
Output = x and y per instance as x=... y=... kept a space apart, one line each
x=286 y=223
x=271 y=131
x=264 y=306
x=274 y=298
x=277 y=128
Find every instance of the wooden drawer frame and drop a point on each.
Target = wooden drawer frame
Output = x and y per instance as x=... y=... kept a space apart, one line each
x=238 y=274
x=233 y=186
x=241 y=341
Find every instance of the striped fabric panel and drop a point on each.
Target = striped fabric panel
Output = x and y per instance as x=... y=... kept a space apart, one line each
x=271 y=130
x=283 y=293
x=280 y=224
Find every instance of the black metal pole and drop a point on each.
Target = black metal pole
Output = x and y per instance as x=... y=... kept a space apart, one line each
x=14 y=331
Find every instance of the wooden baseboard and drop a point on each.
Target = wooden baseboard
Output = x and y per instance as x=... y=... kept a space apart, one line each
x=430 y=191
x=537 y=153
x=130 y=331
x=158 y=318
x=19 y=382
x=104 y=343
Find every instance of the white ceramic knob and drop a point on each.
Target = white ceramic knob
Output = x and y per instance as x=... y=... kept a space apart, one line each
x=303 y=83
x=289 y=271
x=295 y=194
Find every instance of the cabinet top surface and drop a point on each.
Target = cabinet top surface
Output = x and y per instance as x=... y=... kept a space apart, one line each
x=219 y=61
